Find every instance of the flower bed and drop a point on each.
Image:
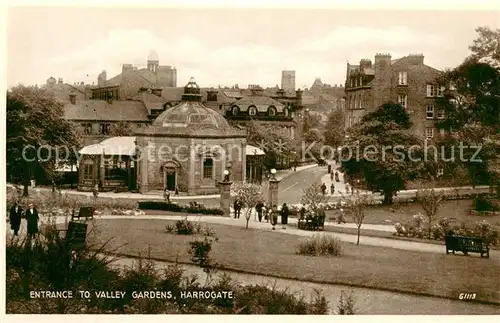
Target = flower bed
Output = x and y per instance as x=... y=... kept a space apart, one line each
x=418 y=228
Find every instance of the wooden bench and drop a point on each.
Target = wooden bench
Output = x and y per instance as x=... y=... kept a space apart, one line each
x=466 y=244
x=312 y=223
x=85 y=212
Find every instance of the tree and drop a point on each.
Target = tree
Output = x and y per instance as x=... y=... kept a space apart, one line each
x=470 y=104
x=430 y=201
x=382 y=150
x=249 y=195
x=37 y=128
x=487 y=46
x=313 y=197
x=355 y=207
x=334 y=130
x=272 y=140
x=121 y=129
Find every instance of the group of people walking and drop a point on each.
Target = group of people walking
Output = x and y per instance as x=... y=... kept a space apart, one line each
x=17 y=214
x=264 y=212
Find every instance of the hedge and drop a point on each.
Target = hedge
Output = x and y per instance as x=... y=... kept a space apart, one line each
x=173 y=207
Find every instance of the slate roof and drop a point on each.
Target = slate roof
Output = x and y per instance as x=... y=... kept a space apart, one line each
x=258 y=100
x=133 y=76
x=129 y=110
x=151 y=101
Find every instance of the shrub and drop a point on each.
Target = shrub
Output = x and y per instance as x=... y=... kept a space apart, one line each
x=346 y=303
x=184 y=226
x=174 y=207
x=484 y=202
x=320 y=245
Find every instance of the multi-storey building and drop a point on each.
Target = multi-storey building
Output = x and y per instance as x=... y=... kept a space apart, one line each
x=407 y=81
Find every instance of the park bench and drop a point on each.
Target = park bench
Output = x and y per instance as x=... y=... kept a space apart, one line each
x=312 y=223
x=85 y=212
x=466 y=244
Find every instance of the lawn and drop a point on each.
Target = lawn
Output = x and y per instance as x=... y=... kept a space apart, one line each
x=273 y=253
x=403 y=212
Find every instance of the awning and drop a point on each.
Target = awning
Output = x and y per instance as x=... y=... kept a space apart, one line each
x=117 y=146
x=254 y=151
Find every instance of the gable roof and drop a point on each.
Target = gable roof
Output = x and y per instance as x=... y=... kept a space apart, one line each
x=102 y=110
x=133 y=76
x=151 y=101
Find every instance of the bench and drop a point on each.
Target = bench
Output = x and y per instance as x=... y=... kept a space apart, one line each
x=85 y=212
x=466 y=244
x=312 y=223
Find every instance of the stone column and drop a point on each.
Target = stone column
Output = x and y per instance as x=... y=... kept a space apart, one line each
x=191 y=168
x=225 y=197
x=273 y=192
x=144 y=170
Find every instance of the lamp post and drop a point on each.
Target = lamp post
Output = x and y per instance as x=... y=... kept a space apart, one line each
x=225 y=194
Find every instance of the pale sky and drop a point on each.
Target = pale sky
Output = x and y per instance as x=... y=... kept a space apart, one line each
x=227 y=47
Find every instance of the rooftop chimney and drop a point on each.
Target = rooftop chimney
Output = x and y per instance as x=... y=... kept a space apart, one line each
x=60 y=80
x=72 y=98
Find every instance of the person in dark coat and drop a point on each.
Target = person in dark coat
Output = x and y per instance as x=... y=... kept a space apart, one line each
x=32 y=218
x=337 y=179
x=258 y=208
x=332 y=189
x=237 y=209
x=323 y=188
x=284 y=214
x=15 y=216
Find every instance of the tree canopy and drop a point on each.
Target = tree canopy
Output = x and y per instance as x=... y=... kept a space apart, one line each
x=36 y=128
x=382 y=151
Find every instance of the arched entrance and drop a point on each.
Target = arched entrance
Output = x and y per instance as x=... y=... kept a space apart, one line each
x=170 y=175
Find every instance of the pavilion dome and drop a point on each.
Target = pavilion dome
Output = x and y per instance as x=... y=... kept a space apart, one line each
x=191 y=117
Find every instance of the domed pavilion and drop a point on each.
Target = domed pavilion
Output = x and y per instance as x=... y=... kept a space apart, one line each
x=188 y=147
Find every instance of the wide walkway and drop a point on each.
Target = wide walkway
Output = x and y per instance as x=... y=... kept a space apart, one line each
x=281 y=229
x=280 y=174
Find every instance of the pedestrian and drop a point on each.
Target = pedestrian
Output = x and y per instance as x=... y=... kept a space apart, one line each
x=237 y=209
x=15 y=216
x=302 y=213
x=323 y=188
x=95 y=191
x=177 y=190
x=332 y=189
x=347 y=188
x=274 y=214
x=32 y=219
x=331 y=176
x=264 y=212
x=166 y=195
x=259 y=208
x=284 y=214
x=337 y=176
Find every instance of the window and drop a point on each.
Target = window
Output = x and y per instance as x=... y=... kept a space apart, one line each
x=430 y=112
x=351 y=121
x=208 y=166
x=440 y=114
x=429 y=133
x=211 y=96
x=105 y=128
x=403 y=78
x=402 y=100
x=87 y=128
x=431 y=90
x=440 y=91
x=88 y=171
x=360 y=81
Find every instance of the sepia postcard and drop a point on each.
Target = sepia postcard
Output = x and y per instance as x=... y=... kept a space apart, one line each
x=223 y=158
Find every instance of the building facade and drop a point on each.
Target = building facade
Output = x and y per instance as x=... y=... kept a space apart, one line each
x=188 y=147
x=407 y=81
